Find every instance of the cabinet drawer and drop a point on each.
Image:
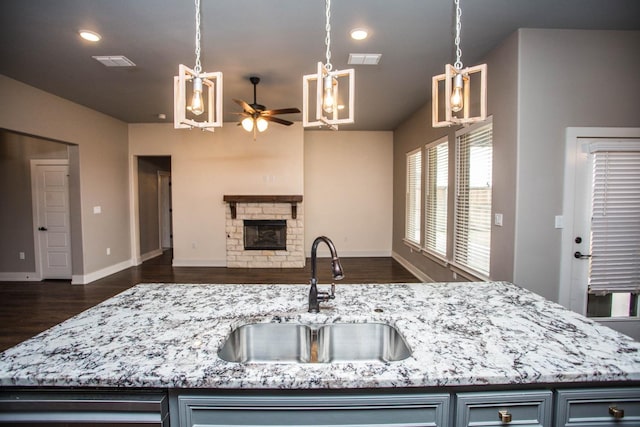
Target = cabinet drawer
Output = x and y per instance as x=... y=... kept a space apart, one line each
x=390 y=410
x=598 y=407
x=526 y=408
x=82 y=408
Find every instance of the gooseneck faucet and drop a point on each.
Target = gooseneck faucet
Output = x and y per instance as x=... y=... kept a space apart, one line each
x=315 y=297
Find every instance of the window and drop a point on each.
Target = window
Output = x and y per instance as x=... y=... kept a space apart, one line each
x=414 y=196
x=436 y=193
x=472 y=217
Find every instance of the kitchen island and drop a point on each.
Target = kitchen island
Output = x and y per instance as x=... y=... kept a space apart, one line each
x=463 y=337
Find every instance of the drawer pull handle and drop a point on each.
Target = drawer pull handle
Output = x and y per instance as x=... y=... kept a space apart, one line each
x=616 y=413
x=504 y=416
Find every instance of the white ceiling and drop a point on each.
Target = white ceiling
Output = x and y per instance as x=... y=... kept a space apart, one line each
x=277 y=40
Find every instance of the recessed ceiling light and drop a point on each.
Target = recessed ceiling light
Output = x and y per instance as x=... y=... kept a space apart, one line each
x=359 y=34
x=91 y=36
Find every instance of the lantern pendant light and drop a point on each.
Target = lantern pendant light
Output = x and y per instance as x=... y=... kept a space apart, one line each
x=329 y=109
x=459 y=99
x=204 y=91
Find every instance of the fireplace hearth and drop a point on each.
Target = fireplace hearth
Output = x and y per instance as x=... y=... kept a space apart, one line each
x=265 y=234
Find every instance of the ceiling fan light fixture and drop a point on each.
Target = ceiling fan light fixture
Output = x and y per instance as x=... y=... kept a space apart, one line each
x=261 y=124
x=247 y=124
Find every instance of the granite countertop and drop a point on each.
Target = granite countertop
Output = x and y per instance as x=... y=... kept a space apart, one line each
x=461 y=334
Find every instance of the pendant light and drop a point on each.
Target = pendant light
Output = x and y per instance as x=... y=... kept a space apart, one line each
x=330 y=110
x=204 y=91
x=460 y=98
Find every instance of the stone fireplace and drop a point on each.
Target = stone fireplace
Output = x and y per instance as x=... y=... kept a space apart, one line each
x=265 y=231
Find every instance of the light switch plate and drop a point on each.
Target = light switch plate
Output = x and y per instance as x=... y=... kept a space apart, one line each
x=497 y=220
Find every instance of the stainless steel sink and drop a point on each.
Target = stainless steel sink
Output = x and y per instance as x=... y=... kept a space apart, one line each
x=343 y=342
x=298 y=343
x=268 y=342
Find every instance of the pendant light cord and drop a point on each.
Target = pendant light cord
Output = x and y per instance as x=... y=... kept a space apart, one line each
x=327 y=41
x=458 y=63
x=198 y=67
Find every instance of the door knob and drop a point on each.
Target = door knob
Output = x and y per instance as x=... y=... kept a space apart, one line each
x=579 y=255
x=42 y=228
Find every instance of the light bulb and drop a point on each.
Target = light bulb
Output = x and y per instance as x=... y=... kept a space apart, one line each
x=197 y=103
x=262 y=124
x=328 y=100
x=247 y=124
x=456 y=95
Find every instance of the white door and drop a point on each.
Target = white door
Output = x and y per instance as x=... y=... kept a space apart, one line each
x=605 y=232
x=51 y=204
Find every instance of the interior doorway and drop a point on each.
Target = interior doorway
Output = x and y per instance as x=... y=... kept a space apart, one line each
x=154 y=205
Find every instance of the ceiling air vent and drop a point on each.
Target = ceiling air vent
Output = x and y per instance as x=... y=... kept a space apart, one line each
x=114 y=61
x=364 y=58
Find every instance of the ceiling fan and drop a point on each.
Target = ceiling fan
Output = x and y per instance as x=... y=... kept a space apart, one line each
x=256 y=116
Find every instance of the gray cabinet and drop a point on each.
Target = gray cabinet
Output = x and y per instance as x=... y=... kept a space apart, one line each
x=311 y=410
x=521 y=408
x=601 y=407
x=84 y=408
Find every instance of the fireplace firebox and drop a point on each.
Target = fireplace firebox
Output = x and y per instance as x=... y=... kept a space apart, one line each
x=265 y=234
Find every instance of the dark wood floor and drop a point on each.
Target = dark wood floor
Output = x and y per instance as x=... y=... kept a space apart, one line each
x=28 y=308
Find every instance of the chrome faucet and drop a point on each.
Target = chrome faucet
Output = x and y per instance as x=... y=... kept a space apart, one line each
x=315 y=297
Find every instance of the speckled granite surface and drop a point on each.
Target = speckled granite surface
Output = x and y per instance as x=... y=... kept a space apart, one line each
x=164 y=335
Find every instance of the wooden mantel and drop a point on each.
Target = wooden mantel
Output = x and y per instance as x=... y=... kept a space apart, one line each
x=233 y=199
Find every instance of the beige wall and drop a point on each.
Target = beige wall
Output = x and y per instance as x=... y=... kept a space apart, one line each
x=348 y=183
x=102 y=162
x=566 y=79
x=205 y=166
x=334 y=171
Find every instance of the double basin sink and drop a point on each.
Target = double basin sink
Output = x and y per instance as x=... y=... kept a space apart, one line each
x=322 y=343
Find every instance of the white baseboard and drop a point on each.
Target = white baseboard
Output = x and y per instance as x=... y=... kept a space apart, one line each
x=324 y=253
x=420 y=275
x=84 y=279
x=199 y=263
x=149 y=255
x=23 y=276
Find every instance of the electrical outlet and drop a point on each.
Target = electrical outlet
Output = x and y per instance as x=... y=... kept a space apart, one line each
x=21 y=255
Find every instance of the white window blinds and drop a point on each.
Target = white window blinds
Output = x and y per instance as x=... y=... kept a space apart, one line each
x=472 y=228
x=615 y=222
x=414 y=196
x=437 y=187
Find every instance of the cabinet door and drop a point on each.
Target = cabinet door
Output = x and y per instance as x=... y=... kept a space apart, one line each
x=429 y=410
x=604 y=407
x=521 y=408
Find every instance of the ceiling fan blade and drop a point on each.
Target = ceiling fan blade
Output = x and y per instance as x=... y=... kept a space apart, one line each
x=246 y=107
x=280 y=111
x=277 y=120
